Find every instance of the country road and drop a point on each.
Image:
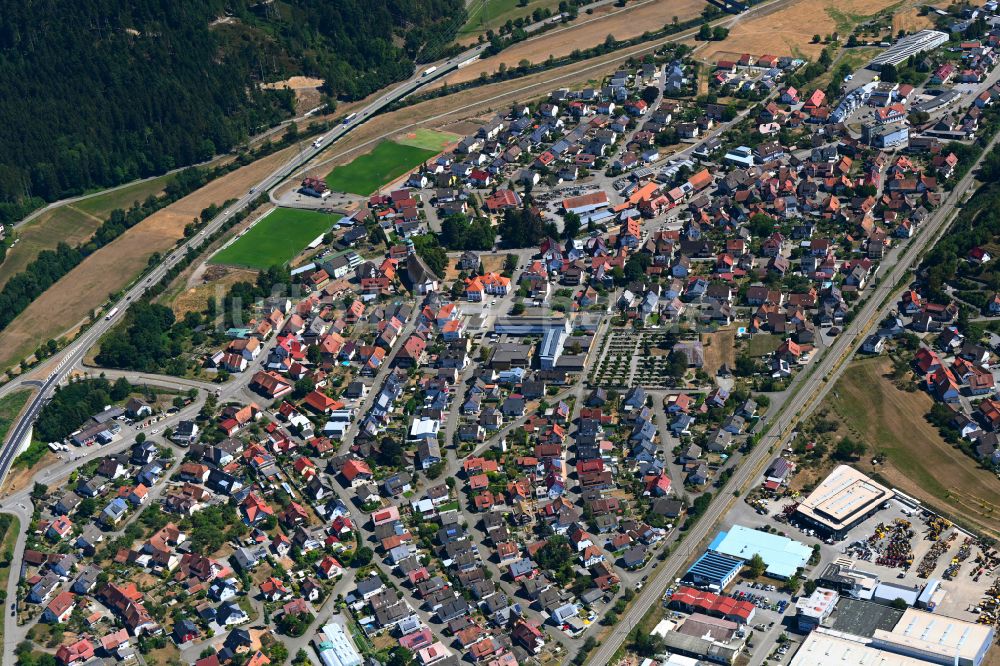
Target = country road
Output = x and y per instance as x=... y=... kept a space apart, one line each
x=813 y=384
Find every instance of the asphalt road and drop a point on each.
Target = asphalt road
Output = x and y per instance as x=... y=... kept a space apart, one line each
x=814 y=383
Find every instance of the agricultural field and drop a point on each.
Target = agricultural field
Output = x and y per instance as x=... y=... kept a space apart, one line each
x=790 y=29
x=587 y=30
x=276 y=239
x=72 y=223
x=912 y=455
x=112 y=267
x=366 y=173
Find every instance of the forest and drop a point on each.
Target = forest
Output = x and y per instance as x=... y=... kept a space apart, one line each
x=101 y=92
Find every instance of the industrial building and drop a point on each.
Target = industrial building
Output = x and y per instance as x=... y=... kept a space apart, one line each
x=925 y=40
x=811 y=611
x=936 y=639
x=552 y=347
x=783 y=556
x=843 y=500
x=713 y=571
x=914 y=638
x=825 y=646
x=335 y=648
x=691 y=600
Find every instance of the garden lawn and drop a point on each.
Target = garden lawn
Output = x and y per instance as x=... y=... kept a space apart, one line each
x=366 y=173
x=763 y=344
x=276 y=239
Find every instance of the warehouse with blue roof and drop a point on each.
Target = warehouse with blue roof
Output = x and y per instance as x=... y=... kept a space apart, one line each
x=783 y=556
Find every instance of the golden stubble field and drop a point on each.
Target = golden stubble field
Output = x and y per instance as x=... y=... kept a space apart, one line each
x=587 y=31
x=112 y=267
x=789 y=29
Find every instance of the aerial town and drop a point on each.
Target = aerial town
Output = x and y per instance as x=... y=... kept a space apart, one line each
x=694 y=362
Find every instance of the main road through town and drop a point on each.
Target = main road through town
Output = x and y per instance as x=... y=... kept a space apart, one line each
x=814 y=383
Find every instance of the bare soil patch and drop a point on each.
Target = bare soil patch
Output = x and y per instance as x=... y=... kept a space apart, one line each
x=588 y=30
x=18 y=478
x=112 y=267
x=306 y=89
x=215 y=282
x=720 y=347
x=789 y=30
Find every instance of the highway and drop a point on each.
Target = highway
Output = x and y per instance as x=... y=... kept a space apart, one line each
x=62 y=364
x=814 y=382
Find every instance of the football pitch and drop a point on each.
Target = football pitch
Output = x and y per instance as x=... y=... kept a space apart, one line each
x=367 y=173
x=276 y=239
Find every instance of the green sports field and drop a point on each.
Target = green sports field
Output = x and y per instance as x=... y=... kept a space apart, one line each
x=427 y=138
x=366 y=173
x=276 y=239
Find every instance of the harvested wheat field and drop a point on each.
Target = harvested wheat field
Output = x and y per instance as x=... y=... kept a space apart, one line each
x=914 y=457
x=72 y=223
x=112 y=267
x=910 y=20
x=588 y=30
x=790 y=29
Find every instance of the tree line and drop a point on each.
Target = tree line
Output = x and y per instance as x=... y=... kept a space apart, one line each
x=72 y=405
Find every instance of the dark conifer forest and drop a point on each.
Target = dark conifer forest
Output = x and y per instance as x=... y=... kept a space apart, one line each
x=101 y=92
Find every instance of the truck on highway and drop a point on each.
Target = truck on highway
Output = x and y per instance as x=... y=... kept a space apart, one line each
x=318 y=142
x=350 y=117
x=429 y=71
x=111 y=314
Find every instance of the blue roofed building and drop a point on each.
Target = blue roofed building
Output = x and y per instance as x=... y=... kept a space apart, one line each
x=783 y=556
